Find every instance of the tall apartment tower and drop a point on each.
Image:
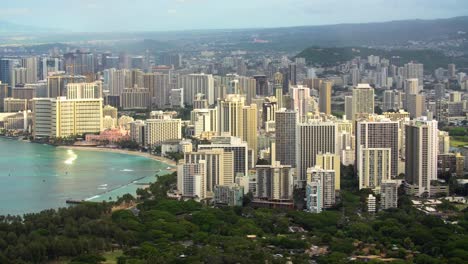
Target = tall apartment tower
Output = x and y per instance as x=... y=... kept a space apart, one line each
x=326 y=180
x=414 y=70
x=330 y=161
x=300 y=96
x=30 y=64
x=231 y=115
x=274 y=182
x=241 y=159
x=312 y=138
x=84 y=90
x=376 y=151
x=421 y=153
x=250 y=127
x=286 y=121
x=325 y=97
x=204 y=120
x=159 y=87
x=262 y=85
x=452 y=70
x=194 y=84
x=218 y=170
x=349 y=107
x=292 y=73
x=363 y=100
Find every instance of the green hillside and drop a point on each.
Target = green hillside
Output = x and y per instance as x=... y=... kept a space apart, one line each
x=332 y=56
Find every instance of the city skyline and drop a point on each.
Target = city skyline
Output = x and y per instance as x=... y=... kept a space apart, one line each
x=175 y=15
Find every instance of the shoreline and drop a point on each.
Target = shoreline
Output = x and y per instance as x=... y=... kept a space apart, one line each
x=122 y=151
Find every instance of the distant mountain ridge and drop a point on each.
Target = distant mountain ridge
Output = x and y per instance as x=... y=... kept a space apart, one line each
x=376 y=33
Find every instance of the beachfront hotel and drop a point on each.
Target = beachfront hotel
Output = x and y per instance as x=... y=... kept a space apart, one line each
x=63 y=117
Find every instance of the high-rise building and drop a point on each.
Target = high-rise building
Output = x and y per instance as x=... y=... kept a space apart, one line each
x=48 y=66
x=42 y=117
x=325 y=97
x=300 y=96
x=444 y=142
x=57 y=83
x=262 y=85
x=292 y=74
x=416 y=104
x=201 y=171
x=349 y=107
x=355 y=75
x=389 y=102
x=274 y=182
x=84 y=90
x=377 y=151
x=363 y=100
x=389 y=195
x=137 y=132
x=18 y=76
x=247 y=87
x=455 y=97
x=268 y=110
x=76 y=116
x=330 y=161
x=414 y=70
x=4 y=93
x=160 y=130
x=229 y=194
x=200 y=102
x=6 y=70
x=159 y=86
x=135 y=98
x=314 y=196
x=30 y=64
x=286 y=121
x=170 y=59
x=79 y=63
x=191 y=179
x=13 y=105
x=371 y=203
x=231 y=115
x=452 y=70
x=326 y=180
x=63 y=117
x=117 y=80
x=194 y=84
x=177 y=98
x=250 y=127
x=421 y=154
x=242 y=160
x=312 y=138
x=204 y=120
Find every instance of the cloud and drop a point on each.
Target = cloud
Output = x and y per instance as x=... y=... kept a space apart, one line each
x=171 y=11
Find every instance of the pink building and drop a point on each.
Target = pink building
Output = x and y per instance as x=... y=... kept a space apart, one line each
x=110 y=135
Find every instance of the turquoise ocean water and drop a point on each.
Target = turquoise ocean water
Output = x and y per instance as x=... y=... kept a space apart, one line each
x=35 y=177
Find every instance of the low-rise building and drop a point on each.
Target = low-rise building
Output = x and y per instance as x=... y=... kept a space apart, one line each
x=231 y=194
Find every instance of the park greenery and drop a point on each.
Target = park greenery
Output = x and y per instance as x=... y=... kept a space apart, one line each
x=161 y=230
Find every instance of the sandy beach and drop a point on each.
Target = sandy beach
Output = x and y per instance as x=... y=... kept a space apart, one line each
x=122 y=151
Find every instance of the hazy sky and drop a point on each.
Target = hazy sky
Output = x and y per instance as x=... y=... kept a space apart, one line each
x=127 y=15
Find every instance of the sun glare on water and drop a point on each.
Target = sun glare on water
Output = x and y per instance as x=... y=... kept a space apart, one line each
x=71 y=157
